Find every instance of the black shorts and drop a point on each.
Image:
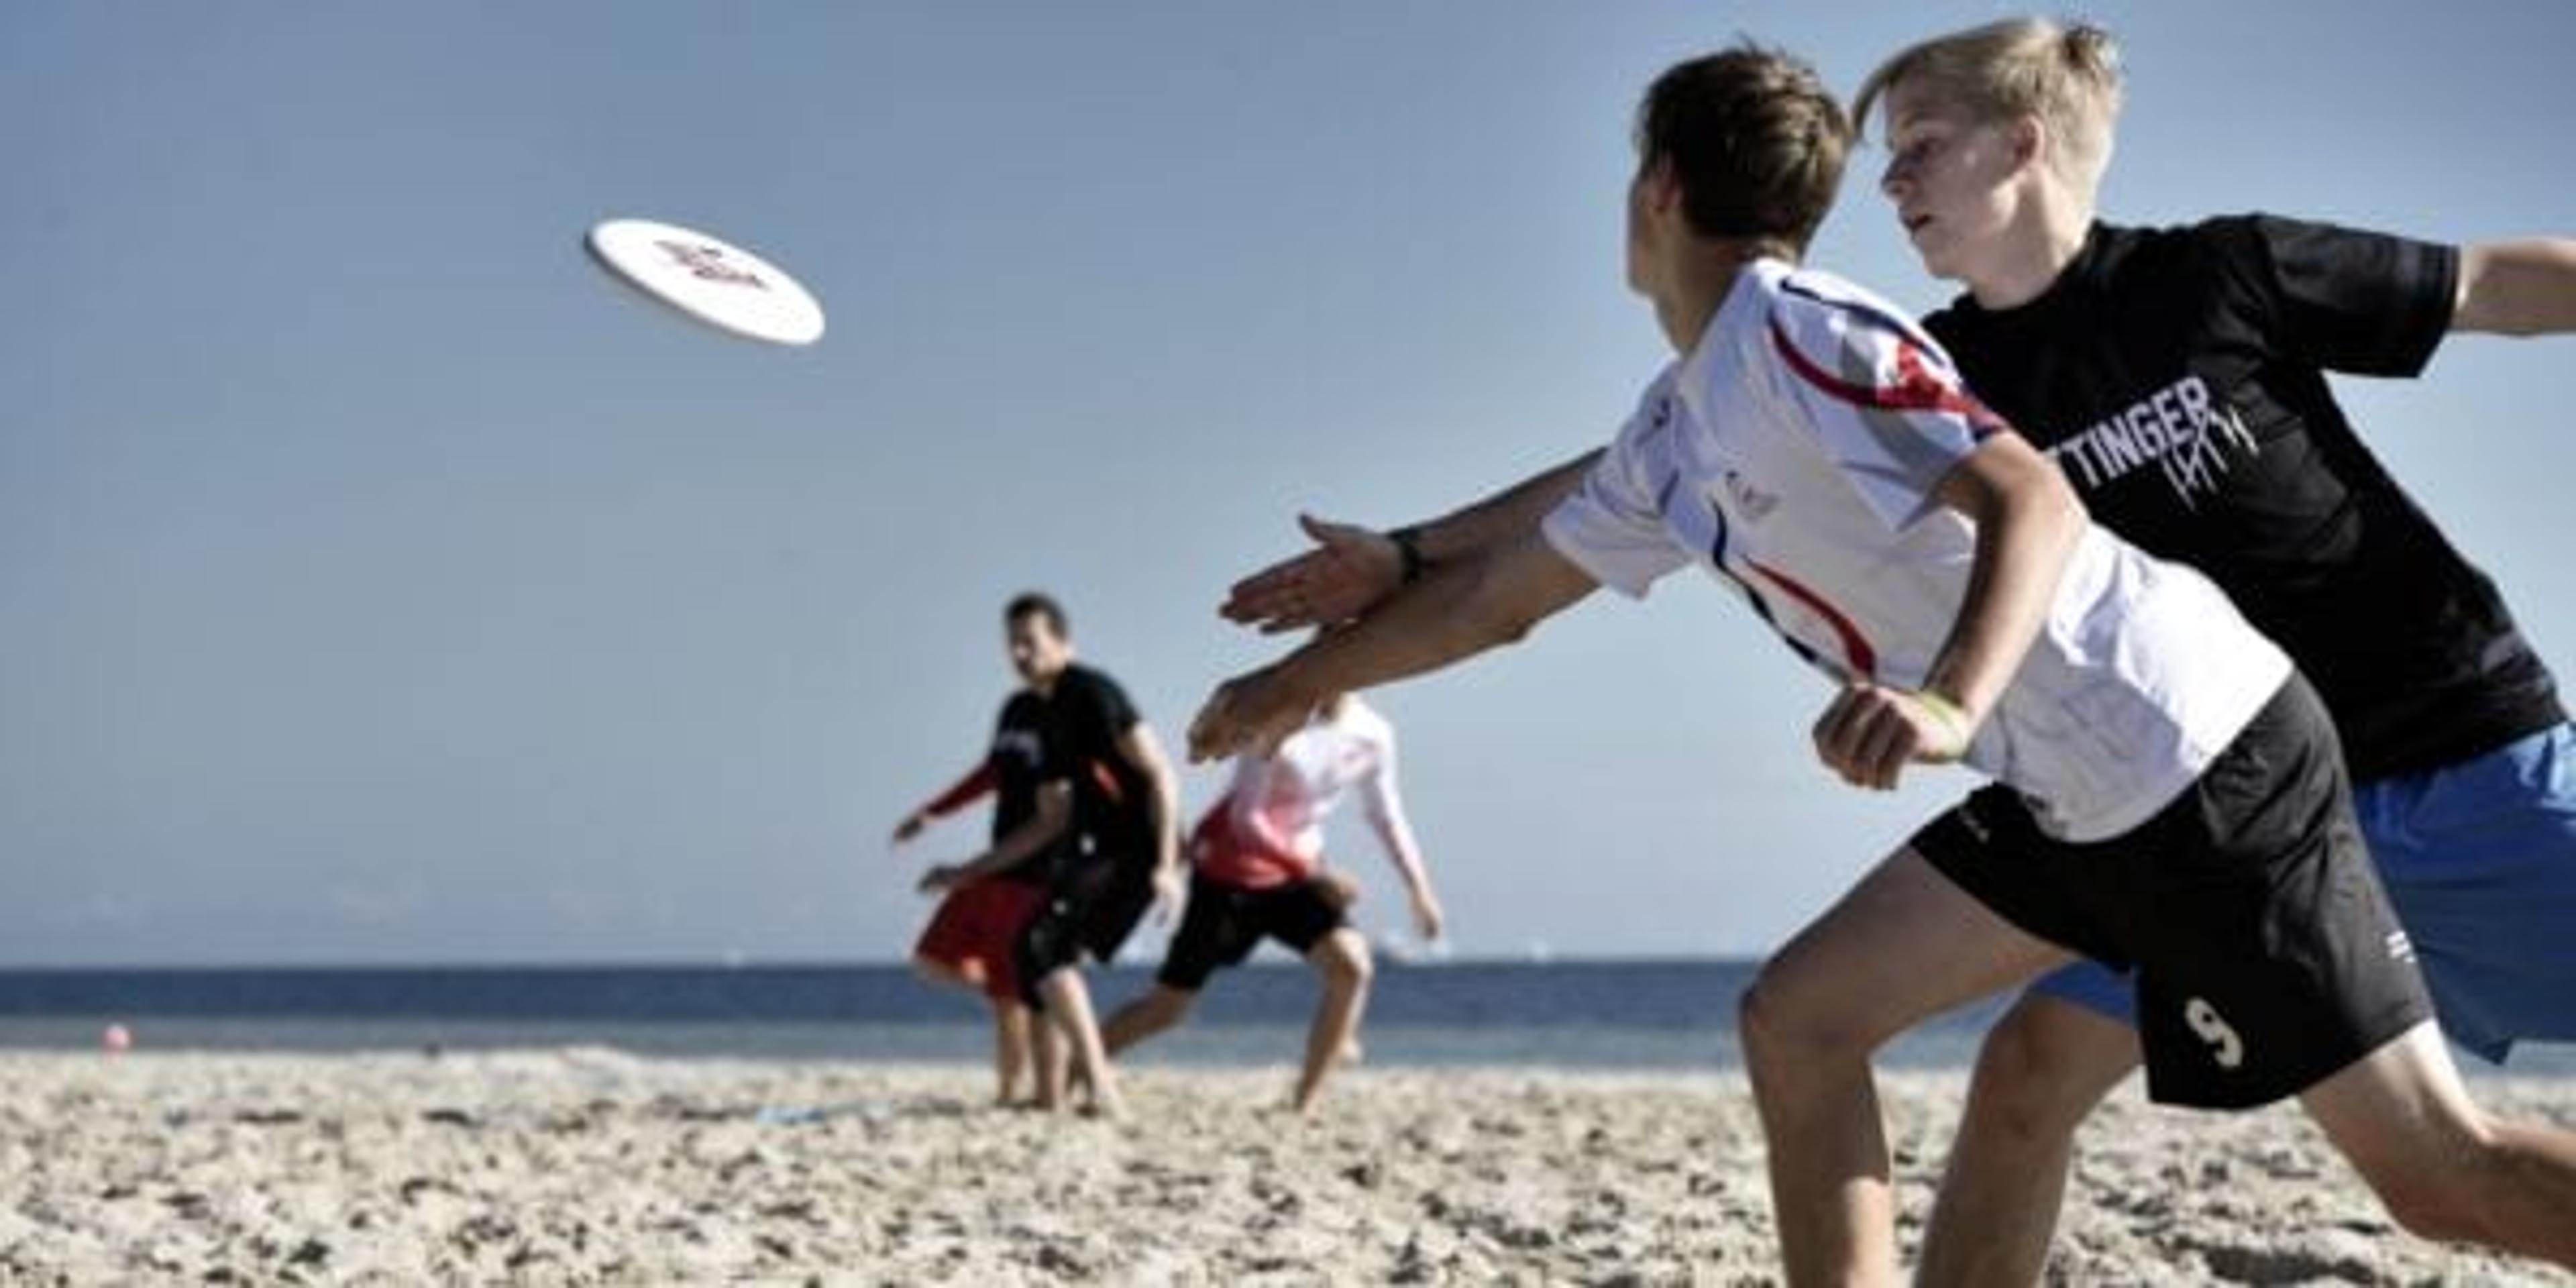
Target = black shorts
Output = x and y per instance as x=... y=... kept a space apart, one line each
x=2265 y=954
x=1093 y=908
x=1225 y=923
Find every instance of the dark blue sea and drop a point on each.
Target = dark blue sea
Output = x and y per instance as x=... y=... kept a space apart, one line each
x=1563 y=1014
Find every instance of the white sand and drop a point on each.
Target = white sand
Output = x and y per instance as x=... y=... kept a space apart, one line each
x=595 y=1167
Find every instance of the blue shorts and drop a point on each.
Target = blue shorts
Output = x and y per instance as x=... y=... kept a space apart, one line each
x=2479 y=859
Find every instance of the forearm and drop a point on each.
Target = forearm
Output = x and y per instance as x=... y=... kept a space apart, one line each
x=1166 y=797
x=1459 y=610
x=1502 y=517
x=2025 y=537
x=1407 y=858
x=2522 y=287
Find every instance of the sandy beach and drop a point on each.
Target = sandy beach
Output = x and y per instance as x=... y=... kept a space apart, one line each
x=592 y=1166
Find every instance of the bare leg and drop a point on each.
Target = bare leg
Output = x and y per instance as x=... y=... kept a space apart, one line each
x=1902 y=945
x=2445 y=1169
x=940 y=972
x=1010 y=1047
x=2044 y=1066
x=1160 y=1008
x=1047 y=1043
x=1068 y=1006
x=1343 y=958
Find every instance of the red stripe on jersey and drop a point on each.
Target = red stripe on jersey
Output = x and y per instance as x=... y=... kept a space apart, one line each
x=1916 y=387
x=1856 y=650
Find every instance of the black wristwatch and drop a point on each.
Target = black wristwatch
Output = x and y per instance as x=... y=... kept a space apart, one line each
x=1408 y=553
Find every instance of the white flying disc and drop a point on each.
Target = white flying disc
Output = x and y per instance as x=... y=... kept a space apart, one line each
x=709 y=279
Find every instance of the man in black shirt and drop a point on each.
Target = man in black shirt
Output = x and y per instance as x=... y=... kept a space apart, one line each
x=2178 y=378
x=1072 y=715
x=1124 y=857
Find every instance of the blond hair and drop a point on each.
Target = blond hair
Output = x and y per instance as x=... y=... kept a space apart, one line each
x=2068 y=76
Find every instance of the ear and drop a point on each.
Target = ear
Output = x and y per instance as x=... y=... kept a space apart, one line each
x=1660 y=187
x=2030 y=140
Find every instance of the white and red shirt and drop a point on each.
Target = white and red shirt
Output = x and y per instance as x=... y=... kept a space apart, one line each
x=1794 y=453
x=1269 y=828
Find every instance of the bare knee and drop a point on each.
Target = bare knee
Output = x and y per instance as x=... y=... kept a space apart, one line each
x=2032 y=1084
x=1779 y=1027
x=1344 y=959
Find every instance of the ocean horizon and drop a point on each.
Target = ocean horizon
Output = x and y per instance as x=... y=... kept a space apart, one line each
x=1602 y=1014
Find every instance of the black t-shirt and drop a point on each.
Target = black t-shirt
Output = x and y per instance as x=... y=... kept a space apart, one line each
x=1023 y=761
x=2177 y=376
x=1110 y=795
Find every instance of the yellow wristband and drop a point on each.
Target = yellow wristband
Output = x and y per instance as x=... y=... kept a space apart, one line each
x=1948 y=713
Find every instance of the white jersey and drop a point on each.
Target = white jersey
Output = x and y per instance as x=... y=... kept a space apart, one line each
x=1278 y=803
x=1794 y=453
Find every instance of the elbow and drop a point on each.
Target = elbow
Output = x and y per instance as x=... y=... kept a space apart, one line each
x=2059 y=513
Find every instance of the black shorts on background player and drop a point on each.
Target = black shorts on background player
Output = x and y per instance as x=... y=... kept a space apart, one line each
x=1225 y=923
x=2266 y=955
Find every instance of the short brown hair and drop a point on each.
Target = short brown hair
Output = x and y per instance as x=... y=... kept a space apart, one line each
x=1034 y=603
x=1755 y=140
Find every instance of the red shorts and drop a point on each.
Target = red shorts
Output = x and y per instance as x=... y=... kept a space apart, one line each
x=974 y=930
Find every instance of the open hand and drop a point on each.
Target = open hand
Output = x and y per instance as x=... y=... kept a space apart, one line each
x=1350 y=569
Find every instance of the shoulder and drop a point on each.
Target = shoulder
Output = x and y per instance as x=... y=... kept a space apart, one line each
x=1365 y=724
x=1093 y=689
x=1822 y=311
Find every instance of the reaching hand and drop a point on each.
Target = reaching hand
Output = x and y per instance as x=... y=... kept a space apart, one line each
x=1254 y=711
x=1427 y=920
x=1870 y=733
x=910 y=827
x=940 y=878
x=1350 y=569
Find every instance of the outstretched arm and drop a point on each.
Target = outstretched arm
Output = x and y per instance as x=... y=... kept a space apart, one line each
x=1022 y=843
x=1456 y=612
x=965 y=791
x=1352 y=568
x=2028 y=523
x=2525 y=287
x=1384 y=805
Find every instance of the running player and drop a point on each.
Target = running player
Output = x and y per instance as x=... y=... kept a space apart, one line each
x=2178 y=378
x=1126 y=853
x=1257 y=873
x=2169 y=791
x=970 y=937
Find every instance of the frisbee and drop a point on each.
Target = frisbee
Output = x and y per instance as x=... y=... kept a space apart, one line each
x=709 y=279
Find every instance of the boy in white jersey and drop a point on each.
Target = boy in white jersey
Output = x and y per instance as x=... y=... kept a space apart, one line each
x=2175 y=792
x=1257 y=872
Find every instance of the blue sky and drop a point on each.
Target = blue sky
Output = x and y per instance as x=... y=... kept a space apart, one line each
x=378 y=582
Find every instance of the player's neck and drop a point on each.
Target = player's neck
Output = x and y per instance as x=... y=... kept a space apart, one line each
x=1695 y=287
x=2031 y=256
